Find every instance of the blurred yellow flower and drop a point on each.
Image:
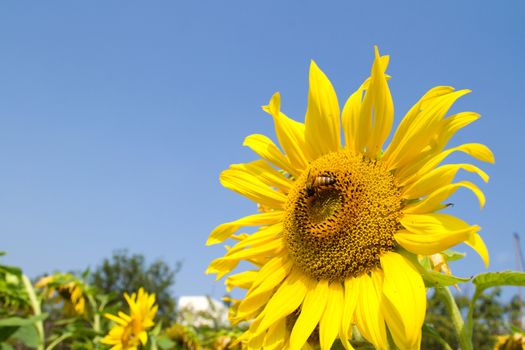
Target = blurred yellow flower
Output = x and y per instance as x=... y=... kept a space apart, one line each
x=337 y=222
x=130 y=331
x=69 y=290
x=514 y=341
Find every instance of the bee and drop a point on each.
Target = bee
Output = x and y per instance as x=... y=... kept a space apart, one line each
x=314 y=183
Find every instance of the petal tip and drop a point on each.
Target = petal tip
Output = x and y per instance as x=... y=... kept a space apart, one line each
x=212 y=241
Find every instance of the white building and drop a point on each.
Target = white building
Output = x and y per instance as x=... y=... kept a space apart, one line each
x=201 y=311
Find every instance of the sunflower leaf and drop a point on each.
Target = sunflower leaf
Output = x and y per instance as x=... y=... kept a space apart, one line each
x=503 y=278
x=452 y=255
x=20 y=322
x=434 y=278
x=488 y=280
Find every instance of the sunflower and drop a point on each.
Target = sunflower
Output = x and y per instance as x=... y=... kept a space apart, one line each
x=514 y=341
x=69 y=290
x=339 y=223
x=130 y=331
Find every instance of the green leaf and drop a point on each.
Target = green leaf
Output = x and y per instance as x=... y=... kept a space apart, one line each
x=452 y=255
x=165 y=343
x=503 y=278
x=516 y=329
x=434 y=278
x=12 y=279
x=20 y=322
x=157 y=329
x=10 y=269
x=27 y=335
x=425 y=262
x=7 y=332
x=5 y=346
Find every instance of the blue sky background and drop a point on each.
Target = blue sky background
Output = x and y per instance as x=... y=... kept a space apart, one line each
x=116 y=118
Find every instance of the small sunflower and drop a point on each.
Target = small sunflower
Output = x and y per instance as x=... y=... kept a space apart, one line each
x=130 y=331
x=337 y=222
x=515 y=341
x=69 y=290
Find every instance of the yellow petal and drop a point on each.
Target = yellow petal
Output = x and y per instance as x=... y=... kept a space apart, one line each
x=422 y=131
x=433 y=223
x=270 y=277
x=356 y=130
x=410 y=117
x=265 y=249
x=266 y=173
x=404 y=302
x=256 y=341
x=476 y=243
x=418 y=169
x=285 y=300
x=330 y=323
x=268 y=151
x=224 y=265
x=224 y=231
x=377 y=108
x=350 y=304
x=454 y=123
x=252 y=187
x=276 y=336
x=116 y=319
x=143 y=337
x=441 y=136
x=242 y=280
x=434 y=200
x=432 y=243
x=273 y=272
x=221 y=267
x=306 y=346
x=291 y=134
x=439 y=177
x=322 y=130
x=311 y=312
x=351 y=121
x=265 y=235
x=368 y=315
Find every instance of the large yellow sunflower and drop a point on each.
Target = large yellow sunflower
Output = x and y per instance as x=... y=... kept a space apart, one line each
x=337 y=223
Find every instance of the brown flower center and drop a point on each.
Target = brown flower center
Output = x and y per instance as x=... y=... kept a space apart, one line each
x=341 y=216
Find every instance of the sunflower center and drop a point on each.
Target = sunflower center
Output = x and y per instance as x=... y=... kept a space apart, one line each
x=341 y=216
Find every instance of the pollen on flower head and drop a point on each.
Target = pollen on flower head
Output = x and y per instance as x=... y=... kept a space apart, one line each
x=341 y=216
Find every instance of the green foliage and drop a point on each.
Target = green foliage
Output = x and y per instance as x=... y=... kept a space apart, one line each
x=127 y=273
x=452 y=255
x=20 y=329
x=434 y=278
x=12 y=294
x=503 y=278
x=492 y=318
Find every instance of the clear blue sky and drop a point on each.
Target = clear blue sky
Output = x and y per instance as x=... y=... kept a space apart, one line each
x=116 y=117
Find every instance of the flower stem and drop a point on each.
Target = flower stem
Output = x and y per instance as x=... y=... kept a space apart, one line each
x=36 y=310
x=465 y=340
x=58 y=340
x=470 y=315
